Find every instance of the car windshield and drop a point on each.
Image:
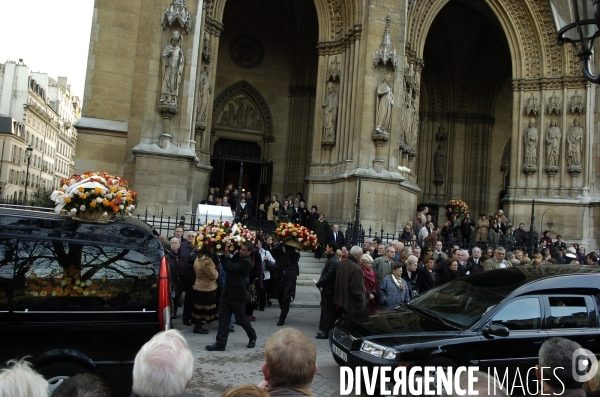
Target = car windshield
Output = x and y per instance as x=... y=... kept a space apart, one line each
x=457 y=303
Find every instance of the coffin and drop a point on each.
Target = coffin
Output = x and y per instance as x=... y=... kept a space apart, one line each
x=206 y=213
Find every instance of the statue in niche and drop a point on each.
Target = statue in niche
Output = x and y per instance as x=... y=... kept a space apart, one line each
x=574 y=144
x=531 y=142
x=239 y=117
x=330 y=110
x=173 y=62
x=439 y=163
x=204 y=92
x=384 y=106
x=552 y=144
x=414 y=132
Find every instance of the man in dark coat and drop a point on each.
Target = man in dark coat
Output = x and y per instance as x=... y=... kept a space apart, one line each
x=287 y=259
x=234 y=296
x=337 y=237
x=190 y=254
x=350 y=292
x=327 y=285
x=178 y=268
x=465 y=229
x=321 y=229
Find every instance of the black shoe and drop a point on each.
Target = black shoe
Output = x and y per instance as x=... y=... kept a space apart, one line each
x=251 y=344
x=262 y=309
x=280 y=323
x=215 y=348
x=200 y=330
x=187 y=322
x=231 y=329
x=269 y=303
x=322 y=335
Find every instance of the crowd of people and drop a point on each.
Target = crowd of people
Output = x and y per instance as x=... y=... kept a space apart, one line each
x=164 y=367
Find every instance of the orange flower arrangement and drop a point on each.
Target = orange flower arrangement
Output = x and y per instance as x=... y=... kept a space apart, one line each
x=95 y=192
x=298 y=234
x=459 y=205
x=216 y=235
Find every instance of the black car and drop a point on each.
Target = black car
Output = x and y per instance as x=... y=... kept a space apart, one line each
x=78 y=296
x=496 y=319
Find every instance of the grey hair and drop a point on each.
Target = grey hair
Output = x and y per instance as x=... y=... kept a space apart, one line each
x=366 y=258
x=412 y=260
x=556 y=353
x=175 y=240
x=356 y=250
x=500 y=248
x=19 y=379
x=476 y=247
x=465 y=252
x=408 y=249
x=163 y=366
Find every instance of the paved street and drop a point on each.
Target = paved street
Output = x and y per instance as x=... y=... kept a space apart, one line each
x=217 y=371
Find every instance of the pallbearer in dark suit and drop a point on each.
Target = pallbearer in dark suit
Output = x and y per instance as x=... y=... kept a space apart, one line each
x=234 y=296
x=337 y=236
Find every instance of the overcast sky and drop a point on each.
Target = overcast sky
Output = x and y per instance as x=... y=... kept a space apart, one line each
x=51 y=36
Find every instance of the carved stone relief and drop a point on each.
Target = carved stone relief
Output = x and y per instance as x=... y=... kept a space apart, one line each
x=240 y=113
x=386 y=52
x=206 y=49
x=409 y=116
x=385 y=102
x=530 y=149
x=553 y=136
x=439 y=165
x=532 y=106
x=246 y=51
x=173 y=62
x=334 y=72
x=204 y=91
x=576 y=104
x=330 y=112
x=574 y=148
x=177 y=12
x=335 y=19
x=554 y=105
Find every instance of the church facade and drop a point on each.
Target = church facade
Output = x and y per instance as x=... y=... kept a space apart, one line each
x=423 y=101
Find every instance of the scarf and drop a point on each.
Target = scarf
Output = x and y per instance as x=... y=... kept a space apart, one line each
x=370 y=278
x=398 y=281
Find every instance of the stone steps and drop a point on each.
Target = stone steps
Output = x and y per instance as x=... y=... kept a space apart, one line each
x=310 y=268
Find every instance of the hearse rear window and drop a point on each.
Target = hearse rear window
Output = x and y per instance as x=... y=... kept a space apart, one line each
x=58 y=276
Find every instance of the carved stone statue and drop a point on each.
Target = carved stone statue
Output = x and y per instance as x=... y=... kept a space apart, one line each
x=173 y=62
x=330 y=110
x=414 y=132
x=204 y=91
x=552 y=144
x=439 y=163
x=574 y=144
x=383 y=122
x=531 y=142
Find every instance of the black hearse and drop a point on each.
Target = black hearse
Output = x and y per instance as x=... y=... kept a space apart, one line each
x=495 y=319
x=78 y=296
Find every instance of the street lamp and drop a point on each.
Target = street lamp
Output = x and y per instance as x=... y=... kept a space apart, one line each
x=577 y=22
x=29 y=150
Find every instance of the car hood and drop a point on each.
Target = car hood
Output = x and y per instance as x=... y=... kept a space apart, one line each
x=397 y=326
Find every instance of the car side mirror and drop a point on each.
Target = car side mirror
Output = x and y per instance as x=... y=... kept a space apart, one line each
x=495 y=330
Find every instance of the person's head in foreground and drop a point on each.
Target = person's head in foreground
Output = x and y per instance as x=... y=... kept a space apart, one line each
x=18 y=379
x=556 y=361
x=163 y=367
x=291 y=360
x=245 y=391
x=82 y=385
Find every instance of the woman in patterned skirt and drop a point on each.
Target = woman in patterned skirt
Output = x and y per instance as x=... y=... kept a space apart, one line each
x=205 y=288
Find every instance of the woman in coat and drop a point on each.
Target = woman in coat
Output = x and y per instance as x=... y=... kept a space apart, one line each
x=205 y=288
x=482 y=229
x=178 y=269
x=370 y=278
x=494 y=235
x=427 y=276
x=321 y=228
x=394 y=290
x=451 y=271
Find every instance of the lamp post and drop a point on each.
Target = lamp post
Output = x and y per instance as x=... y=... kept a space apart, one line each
x=577 y=22
x=29 y=150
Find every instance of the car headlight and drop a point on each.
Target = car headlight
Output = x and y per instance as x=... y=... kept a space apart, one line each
x=379 y=351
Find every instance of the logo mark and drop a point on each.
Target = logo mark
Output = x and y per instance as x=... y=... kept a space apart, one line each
x=584 y=365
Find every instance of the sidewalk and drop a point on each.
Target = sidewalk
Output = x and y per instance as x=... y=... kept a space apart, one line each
x=215 y=372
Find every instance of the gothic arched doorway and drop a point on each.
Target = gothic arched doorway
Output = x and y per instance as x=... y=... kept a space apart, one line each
x=466 y=107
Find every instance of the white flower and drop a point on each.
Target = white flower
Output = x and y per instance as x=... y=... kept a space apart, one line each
x=108 y=196
x=103 y=192
x=72 y=182
x=99 y=200
x=65 y=187
x=132 y=207
x=73 y=211
x=82 y=208
x=105 y=214
x=121 y=206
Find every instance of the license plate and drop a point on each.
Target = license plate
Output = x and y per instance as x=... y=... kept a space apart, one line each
x=339 y=353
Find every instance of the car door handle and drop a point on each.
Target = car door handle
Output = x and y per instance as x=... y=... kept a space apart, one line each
x=592 y=340
x=537 y=342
